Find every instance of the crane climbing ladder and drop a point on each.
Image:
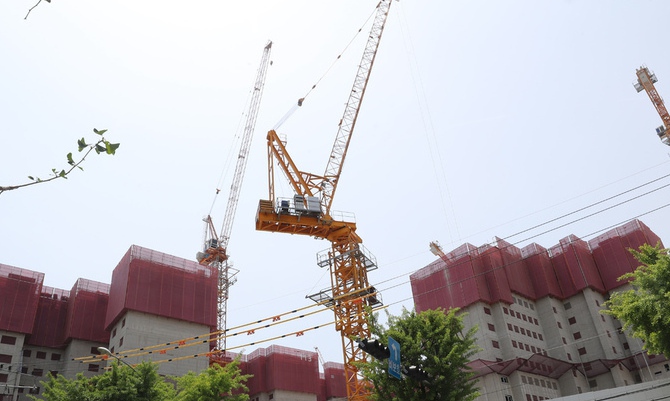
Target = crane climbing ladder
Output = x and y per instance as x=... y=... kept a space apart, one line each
x=309 y=213
x=215 y=250
x=645 y=82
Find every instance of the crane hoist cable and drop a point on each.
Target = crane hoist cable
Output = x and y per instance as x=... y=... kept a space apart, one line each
x=301 y=100
x=215 y=250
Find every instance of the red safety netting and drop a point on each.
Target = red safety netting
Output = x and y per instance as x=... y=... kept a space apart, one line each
x=164 y=285
x=541 y=271
x=575 y=267
x=282 y=368
x=50 y=319
x=20 y=291
x=86 y=311
x=611 y=251
x=335 y=382
x=491 y=273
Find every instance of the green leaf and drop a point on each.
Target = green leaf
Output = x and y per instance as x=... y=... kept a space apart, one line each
x=82 y=144
x=99 y=132
x=100 y=149
x=62 y=174
x=70 y=161
x=111 y=147
x=30 y=177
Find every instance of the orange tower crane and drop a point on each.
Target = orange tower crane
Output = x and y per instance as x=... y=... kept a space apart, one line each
x=646 y=81
x=309 y=213
x=215 y=250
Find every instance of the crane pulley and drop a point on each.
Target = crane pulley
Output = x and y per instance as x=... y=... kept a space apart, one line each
x=646 y=81
x=216 y=245
x=309 y=213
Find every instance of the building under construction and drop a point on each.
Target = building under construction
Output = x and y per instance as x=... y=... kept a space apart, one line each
x=541 y=331
x=153 y=299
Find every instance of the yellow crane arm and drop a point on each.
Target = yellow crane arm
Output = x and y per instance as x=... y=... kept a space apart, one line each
x=645 y=81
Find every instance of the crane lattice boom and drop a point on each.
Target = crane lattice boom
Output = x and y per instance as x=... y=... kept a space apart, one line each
x=216 y=246
x=645 y=81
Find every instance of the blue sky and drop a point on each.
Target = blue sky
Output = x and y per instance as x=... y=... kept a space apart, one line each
x=481 y=119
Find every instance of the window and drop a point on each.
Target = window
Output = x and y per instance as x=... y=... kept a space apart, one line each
x=602 y=318
x=121 y=342
x=509 y=326
x=577 y=335
x=553 y=385
x=525 y=304
x=532 y=307
x=535 y=321
x=528 y=397
x=593 y=383
x=518 y=315
x=509 y=398
x=527 y=347
x=271 y=396
x=524 y=318
x=513 y=343
x=24 y=369
x=123 y=323
x=55 y=357
x=53 y=373
x=505 y=311
x=516 y=329
x=597 y=303
x=41 y=355
x=564 y=342
x=609 y=334
x=114 y=332
x=582 y=351
x=554 y=308
x=26 y=353
x=534 y=335
x=560 y=326
x=93 y=367
x=3 y=377
x=34 y=390
x=569 y=357
x=487 y=310
x=523 y=380
x=495 y=344
x=539 y=336
x=4 y=358
x=504 y=379
x=523 y=331
x=567 y=305
x=614 y=350
x=492 y=327
x=626 y=346
x=572 y=320
x=38 y=372
x=94 y=351
x=11 y=340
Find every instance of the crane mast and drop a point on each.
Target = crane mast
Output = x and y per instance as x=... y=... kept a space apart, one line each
x=309 y=213
x=646 y=81
x=216 y=246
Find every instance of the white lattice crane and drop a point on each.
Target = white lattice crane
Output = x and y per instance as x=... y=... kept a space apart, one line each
x=215 y=250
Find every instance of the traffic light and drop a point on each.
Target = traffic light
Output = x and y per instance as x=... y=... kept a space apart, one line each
x=415 y=373
x=376 y=349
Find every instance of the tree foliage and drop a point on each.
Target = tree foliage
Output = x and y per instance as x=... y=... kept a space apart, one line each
x=101 y=146
x=121 y=383
x=435 y=341
x=645 y=309
x=143 y=383
x=214 y=384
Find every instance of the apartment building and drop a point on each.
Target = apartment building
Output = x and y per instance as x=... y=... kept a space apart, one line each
x=541 y=331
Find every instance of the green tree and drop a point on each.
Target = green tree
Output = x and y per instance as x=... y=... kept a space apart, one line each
x=214 y=384
x=644 y=310
x=433 y=340
x=101 y=146
x=120 y=383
